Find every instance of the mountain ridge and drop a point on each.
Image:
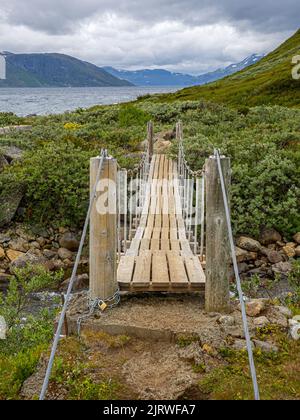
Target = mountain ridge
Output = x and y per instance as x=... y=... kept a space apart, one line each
x=55 y=70
x=162 y=77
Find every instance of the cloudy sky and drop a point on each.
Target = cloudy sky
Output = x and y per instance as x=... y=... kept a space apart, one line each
x=191 y=36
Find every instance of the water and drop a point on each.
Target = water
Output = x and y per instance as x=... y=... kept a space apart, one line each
x=44 y=101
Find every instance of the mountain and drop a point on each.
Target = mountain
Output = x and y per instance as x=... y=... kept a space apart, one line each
x=55 y=70
x=269 y=81
x=166 y=78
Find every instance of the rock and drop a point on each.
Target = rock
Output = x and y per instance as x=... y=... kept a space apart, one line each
x=248 y=244
x=289 y=251
x=254 y=307
x=265 y=346
x=295 y=332
x=273 y=256
x=191 y=353
x=81 y=282
x=9 y=203
x=13 y=255
x=2 y=253
x=4 y=238
x=226 y=320
x=69 y=241
x=169 y=135
x=233 y=331
x=297 y=251
x=243 y=267
x=19 y=244
x=3 y=162
x=65 y=254
x=261 y=321
x=28 y=258
x=243 y=255
x=49 y=253
x=12 y=153
x=277 y=317
x=296 y=238
x=34 y=245
x=282 y=268
x=241 y=345
x=283 y=310
x=162 y=146
x=41 y=241
x=269 y=236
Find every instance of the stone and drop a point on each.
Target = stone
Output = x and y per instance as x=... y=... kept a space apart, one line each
x=19 y=244
x=289 y=251
x=4 y=238
x=243 y=255
x=295 y=332
x=297 y=251
x=283 y=310
x=9 y=203
x=41 y=241
x=69 y=241
x=241 y=345
x=49 y=253
x=81 y=282
x=269 y=236
x=248 y=244
x=273 y=256
x=64 y=254
x=226 y=320
x=296 y=238
x=265 y=346
x=12 y=153
x=13 y=255
x=34 y=244
x=261 y=321
x=2 y=253
x=254 y=307
x=28 y=258
x=282 y=268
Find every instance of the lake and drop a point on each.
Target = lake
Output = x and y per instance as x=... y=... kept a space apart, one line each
x=43 y=101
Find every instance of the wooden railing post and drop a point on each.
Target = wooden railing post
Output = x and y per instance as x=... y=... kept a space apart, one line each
x=150 y=138
x=103 y=230
x=217 y=297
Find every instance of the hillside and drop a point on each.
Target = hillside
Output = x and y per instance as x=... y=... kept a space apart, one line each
x=159 y=77
x=55 y=70
x=267 y=82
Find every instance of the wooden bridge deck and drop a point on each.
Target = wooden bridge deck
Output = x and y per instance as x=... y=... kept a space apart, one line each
x=160 y=257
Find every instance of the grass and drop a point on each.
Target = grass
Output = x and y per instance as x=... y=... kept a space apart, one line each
x=278 y=374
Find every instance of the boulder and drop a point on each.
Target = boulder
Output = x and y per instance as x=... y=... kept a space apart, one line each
x=12 y=153
x=9 y=203
x=226 y=320
x=283 y=268
x=19 y=244
x=12 y=254
x=81 y=282
x=261 y=321
x=283 y=310
x=248 y=244
x=265 y=346
x=297 y=251
x=65 y=254
x=254 y=307
x=69 y=241
x=243 y=255
x=269 y=236
x=49 y=253
x=2 y=253
x=28 y=258
x=296 y=238
x=289 y=251
x=273 y=256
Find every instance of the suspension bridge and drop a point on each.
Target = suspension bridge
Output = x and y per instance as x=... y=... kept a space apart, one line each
x=161 y=227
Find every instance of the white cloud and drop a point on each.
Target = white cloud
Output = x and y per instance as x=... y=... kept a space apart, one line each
x=191 y=35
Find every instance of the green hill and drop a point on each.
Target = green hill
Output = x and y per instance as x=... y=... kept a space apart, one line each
x=267 y=82
x=55 y=70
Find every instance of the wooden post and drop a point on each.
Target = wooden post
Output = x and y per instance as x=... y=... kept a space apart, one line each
x=217 y=297
x=150 y=138
x=103 y=230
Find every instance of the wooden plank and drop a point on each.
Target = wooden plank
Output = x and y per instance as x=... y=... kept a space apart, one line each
x=165 y=233
x=165 y=245
x=125 y=270
x=195 y=271
x=160 y=272
x=178 y=275
x=145 y=244
x=156 y=233
x=155 y=244
x=173 y=234
x=141 y=277
x=175 y=245
x=185 y=248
